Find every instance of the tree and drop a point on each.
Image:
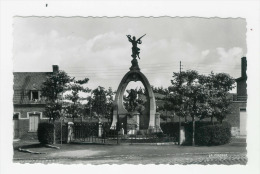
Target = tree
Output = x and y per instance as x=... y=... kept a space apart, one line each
x=200 y=96
x=219 y=85
x=100 y=103
x=52 y=90
x=74 y=108
x=109 y=104
x=164 y=106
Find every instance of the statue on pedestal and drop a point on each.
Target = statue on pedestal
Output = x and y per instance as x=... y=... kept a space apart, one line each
x=132 y=96
x=135 y=49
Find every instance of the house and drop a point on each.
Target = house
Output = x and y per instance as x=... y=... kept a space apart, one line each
x=28 y=103
x=238 y=117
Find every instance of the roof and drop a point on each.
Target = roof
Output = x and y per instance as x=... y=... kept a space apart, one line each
x=26 y=81
x=29 y=80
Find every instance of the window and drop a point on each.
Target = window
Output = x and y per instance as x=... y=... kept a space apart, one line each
x=16 y=116
x=33 y=121
x=35 y=95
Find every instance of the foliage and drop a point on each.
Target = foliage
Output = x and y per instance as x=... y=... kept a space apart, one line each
x=200 y=96
x=213 y=134
x=100 y=103
x=52 y=89
x=45 y=133
x=159 y=134
x=53 y=110
x=207 y=134
x=171 y=129
x=160 y=90
x=219 y=85
x=189 y=130
x=74 y=108
x=54 y=85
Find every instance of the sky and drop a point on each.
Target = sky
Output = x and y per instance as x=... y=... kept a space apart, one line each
x=97 y=48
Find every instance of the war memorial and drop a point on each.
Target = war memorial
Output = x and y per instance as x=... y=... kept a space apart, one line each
x=132 y=121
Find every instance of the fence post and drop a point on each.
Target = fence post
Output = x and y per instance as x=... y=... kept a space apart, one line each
x=117 y=137
x=104 y=137
x=99 y=129
x=61 y=132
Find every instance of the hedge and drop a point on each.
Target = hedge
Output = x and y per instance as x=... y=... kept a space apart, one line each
x=205 y=132
x=171 y=129
x=213 y=135
x=189 y=130
x=45 y=133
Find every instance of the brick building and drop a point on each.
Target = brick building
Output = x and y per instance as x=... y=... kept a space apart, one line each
x=238 y=117
x=28 y=103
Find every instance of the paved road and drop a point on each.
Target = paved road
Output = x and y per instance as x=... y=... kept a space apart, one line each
x=227 y=159
x=136 y=154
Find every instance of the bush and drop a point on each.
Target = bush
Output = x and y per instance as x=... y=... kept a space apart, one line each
x=171 y=129
x=213 y=135
x=45 y=133
x=188 y=127
x=159 y=134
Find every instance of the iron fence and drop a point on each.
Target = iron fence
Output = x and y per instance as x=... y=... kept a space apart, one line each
x=103 y=133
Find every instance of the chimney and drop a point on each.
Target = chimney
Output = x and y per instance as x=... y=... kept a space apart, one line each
x=55 y=68
x=243 y=67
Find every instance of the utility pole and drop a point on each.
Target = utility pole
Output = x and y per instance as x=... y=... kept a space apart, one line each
x=90 y=105
x=181 y=106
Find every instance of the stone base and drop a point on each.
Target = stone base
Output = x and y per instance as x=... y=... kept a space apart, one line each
x=133 y=123
x=132 y=132
x=154 y=129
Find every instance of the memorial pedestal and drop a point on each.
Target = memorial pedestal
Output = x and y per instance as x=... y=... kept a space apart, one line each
x=157 y=127
x=133 y=123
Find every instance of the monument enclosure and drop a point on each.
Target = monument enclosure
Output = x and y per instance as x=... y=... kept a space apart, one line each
x=149 y=120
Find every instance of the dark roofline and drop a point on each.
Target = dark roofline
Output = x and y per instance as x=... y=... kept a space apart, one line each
x=33 y=72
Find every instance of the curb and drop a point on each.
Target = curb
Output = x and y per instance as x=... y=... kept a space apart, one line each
x=29 y=151
x=126 y=144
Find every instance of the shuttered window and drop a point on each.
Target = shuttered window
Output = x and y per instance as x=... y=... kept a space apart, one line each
x=34 y=121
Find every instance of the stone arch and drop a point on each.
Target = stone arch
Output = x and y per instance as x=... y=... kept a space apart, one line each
x=118 y=108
